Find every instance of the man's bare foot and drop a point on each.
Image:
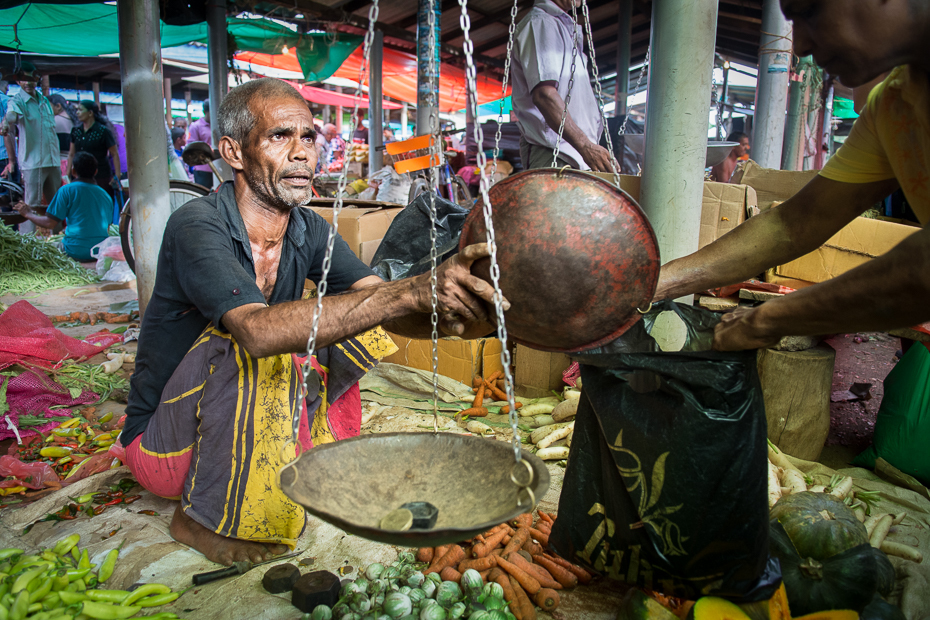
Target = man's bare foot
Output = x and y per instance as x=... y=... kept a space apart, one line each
x=218 y=548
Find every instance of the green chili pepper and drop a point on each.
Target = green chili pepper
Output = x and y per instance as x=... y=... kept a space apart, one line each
x=146 y=590
x=65 y=545
x=107 y=596
x=106 y=611
x=158 y=599
x=106 y=569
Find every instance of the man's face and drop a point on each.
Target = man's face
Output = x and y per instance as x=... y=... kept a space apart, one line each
x=29 y=87
x=329 y=133
x=280 y=155
x=180 y=142
x=743 y=148
x=856 y=41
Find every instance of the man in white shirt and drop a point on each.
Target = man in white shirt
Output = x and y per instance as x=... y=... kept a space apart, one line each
x=541 y=76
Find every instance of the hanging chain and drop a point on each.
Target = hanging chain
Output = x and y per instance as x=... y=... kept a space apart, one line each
x=470 y=75
x=433 y=102
x=599 y=95
x=306 y=367
x=500 y=115
x=718 y=103
x=571 y=84
x=639 y=82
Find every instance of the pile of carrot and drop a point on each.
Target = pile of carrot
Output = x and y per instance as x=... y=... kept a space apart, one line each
x=513 y=555
x=93 y=317
x=493 y=389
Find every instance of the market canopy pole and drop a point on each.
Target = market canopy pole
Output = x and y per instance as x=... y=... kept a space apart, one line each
x=426 y=83
x=677 y=108
x=375 y=115
x=624 y=42
x=772 y=88
x=216 y=67
x=143 y=98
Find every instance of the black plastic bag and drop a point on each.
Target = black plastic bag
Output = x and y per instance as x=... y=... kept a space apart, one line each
x=405 y=249
x=666 y=485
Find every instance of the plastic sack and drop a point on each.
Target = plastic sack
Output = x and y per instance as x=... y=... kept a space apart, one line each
x=392 y=187
x=119 y=271
x=107 y=252
x=30 y=475
x=665 y=486
x=405 y=248
x=902 y=429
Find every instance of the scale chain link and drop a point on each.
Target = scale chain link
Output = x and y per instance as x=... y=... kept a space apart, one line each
x=434 y=184
x=639 y=81
x=470 y=75
x=598 y=92
x=306 y=366
x=571 y=85
x=500 y=115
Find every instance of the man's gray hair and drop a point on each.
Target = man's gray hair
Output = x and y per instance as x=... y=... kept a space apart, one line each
x=235 y=116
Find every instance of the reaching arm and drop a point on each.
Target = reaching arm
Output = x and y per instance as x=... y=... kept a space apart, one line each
x=547 y=100
x=800 y=225
x=45 y=221
x=285 y=328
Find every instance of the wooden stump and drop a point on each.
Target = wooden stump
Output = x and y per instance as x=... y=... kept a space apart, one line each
x=796 y=387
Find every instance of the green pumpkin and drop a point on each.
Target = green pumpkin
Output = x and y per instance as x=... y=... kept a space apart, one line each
x=878 y=609
x=637 y=606
x=885 y=570
x=847 y=580
x=820 y=526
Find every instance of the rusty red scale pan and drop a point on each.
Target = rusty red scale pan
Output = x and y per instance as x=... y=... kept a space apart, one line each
x=577 y=257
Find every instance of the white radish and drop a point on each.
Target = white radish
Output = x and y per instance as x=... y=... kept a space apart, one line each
x=535 y=409
x=818 y=488
x=898 y=518
x=794 y=480
x=881 y=531
x=553 y=454
x=859 y=511
x=565 y=410
x=871 y=522
x=902 y=551
x=774 y=485
x=114 y=363
x=560 y=433
x=570 y=393
x=842 y=488
x=478 y=428
x=543 y=431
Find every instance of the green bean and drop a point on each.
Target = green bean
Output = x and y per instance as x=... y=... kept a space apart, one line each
x=28 y=263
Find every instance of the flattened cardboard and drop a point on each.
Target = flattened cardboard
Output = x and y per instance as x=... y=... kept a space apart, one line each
x=723 y=208
x=539 y=372
x=772 y=185
x=458 y=359
x=861 y=240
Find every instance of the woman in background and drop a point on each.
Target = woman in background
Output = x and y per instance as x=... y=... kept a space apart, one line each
x=95 y=136
x=65 y=120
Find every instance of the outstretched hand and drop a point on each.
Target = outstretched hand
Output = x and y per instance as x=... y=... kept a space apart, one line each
x=738 y=331
x=461 y=295
x=22 y=208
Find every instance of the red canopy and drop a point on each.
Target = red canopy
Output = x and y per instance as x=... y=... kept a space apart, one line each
x=328 y=97
x=399 y=77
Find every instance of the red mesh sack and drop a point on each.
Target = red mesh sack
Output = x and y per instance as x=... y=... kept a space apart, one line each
x=32 y=392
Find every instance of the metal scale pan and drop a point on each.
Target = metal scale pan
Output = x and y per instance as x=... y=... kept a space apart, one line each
x=577 y=257
x=354 y=483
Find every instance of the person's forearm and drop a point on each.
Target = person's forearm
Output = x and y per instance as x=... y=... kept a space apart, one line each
x=10 y=145
x=887 y=292
x=285 y=328
x=551 y=105
x=419 y=326
x=42 y=220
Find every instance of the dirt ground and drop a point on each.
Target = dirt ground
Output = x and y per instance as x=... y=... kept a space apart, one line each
x=860 y=358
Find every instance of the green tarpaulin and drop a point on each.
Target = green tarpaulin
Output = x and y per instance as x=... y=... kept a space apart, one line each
x=92 y=30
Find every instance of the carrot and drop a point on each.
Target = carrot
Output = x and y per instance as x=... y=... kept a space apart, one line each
x=542 y=537
x=581 y=575
x=517 y=540
x=491 y=542
x=453 y=556
x=484 y=574
x=543 y=526
x=501 y=384
x=425 y=554
x=505 y=541
x=529 y=583
x=547 y=599
x=532 y=547
x=497 y=552
x=438 y=552
x=479 y=397
x=478 y=564
x=477 y=382
x=474 y=412
x=543 y=576
x=506 y=408
x=524 y=520
x=545 y=516
x=521 y=603
x=450 y=574
x=494 y=376
x=500 y=577
x=496 y=393
x=562 y=574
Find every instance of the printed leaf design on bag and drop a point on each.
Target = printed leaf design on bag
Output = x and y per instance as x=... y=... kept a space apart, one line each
x=635 y=478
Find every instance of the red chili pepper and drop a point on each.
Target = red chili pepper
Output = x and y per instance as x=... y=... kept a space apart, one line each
x=131 y=499
x=115 y=493
x=99 y=509
x=118 y=500
x=148 y=512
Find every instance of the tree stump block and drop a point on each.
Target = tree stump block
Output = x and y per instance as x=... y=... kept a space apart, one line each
x=796 y=388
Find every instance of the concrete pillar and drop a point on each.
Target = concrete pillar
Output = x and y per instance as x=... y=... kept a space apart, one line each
x=624 y=42
x=375 y=113
x=793 y=145
x=404 y=119
x=218 y=71
x=187 y=107
x=678 y=105
x=168 y=117
x=143 y=96
x=772 y=88
x=96 y=87
x=427 y=84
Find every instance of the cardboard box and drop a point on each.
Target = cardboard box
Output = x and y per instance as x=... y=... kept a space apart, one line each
x=537 y=373
x=772 y=185
x=723 y=208
x=861 y=240
x=458 y=359
x=362 y=227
